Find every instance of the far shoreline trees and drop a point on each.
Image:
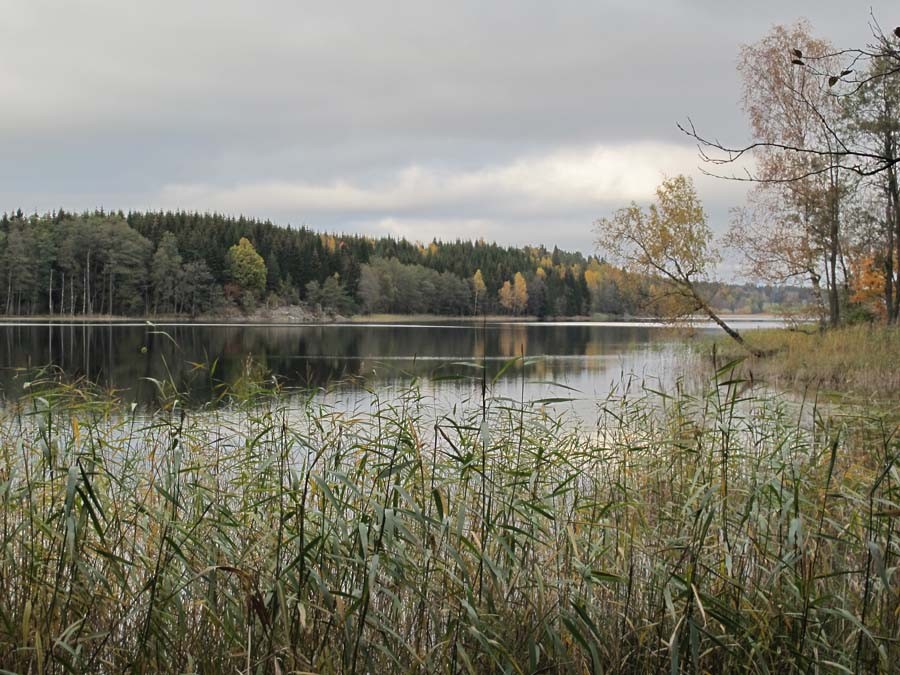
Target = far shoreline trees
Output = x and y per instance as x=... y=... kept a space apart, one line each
x=181 y=264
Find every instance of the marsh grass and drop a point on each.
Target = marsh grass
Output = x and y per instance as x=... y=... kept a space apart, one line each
x=860 y=361
x=732 y=531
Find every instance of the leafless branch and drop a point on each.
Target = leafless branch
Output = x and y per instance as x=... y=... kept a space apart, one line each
x=839 y=153
x=869 y=164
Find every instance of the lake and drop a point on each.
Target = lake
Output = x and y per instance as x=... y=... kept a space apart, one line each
x=573 y=359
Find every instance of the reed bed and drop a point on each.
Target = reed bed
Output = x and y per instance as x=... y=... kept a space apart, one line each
x=861 y=361
x=726 y=531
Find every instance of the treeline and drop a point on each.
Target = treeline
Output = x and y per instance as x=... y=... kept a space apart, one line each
x=146 y=263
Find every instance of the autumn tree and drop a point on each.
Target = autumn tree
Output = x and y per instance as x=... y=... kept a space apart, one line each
x=478 y=287
x=520 y=293
x=610 y=290
x=873 y=115
x=793 y=226
x=514 y=296
x=248 y=269
x=799 y=91
x=506 y=296
x=671 y=243
x=868 y=287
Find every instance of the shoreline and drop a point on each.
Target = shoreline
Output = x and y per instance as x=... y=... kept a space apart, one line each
x=275 y=318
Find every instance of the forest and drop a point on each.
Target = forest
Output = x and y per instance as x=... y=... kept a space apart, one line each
x=191 y=264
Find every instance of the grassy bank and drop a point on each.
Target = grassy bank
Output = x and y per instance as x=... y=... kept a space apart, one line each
x=862 y=361
x=721 y=533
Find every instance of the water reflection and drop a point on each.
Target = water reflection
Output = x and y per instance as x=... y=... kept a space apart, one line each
x=129 y=357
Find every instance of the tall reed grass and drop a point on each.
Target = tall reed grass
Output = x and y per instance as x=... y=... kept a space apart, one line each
x=731 y=531
x=860 y=361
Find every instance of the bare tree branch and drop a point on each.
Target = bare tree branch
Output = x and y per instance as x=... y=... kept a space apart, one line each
x=836 y=149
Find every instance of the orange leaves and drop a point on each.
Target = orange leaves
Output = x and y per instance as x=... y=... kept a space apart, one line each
x=867 y=284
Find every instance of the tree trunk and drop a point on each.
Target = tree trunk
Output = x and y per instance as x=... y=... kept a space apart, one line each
x=834 y=305
x=894 y=225
x=889 y=214
x=87 y=284
x=834 y=310
x=888 y=262
x=731 y=332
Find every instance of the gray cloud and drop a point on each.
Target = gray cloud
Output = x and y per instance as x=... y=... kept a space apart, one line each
x=520 y=121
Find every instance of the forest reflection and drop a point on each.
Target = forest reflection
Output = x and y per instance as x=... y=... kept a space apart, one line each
x=199 y=358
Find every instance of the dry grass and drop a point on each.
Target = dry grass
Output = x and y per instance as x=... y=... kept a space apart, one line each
x=861 y=361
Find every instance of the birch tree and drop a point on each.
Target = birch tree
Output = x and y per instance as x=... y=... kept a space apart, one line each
x=670 y=242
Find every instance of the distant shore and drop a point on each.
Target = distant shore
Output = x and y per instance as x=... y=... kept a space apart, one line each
x=301 y=316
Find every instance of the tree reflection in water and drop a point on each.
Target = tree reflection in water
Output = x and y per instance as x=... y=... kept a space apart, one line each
x=129 y=357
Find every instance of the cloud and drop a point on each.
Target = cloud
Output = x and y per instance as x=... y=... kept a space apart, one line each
x=525 y=119
x=549 y=198
x=557 y=181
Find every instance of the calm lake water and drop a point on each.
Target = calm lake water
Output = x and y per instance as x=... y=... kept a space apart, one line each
x=575 y=360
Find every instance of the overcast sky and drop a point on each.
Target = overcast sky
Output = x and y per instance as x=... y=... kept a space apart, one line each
x=520 y=122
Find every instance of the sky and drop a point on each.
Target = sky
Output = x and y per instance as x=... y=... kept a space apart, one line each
x=519 y=121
